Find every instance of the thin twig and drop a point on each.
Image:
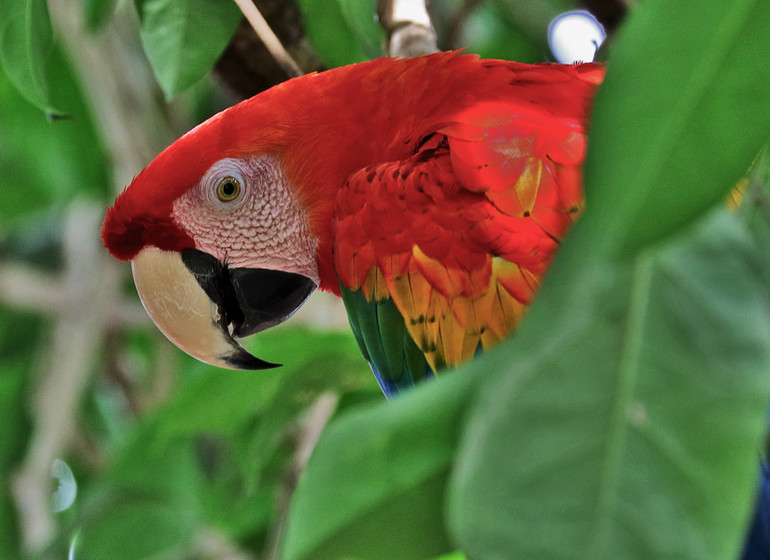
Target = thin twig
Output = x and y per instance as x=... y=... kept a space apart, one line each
x=318 y=416
x=269 y=38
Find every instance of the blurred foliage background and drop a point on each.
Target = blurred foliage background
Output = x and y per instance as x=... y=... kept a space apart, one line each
x=171 y=458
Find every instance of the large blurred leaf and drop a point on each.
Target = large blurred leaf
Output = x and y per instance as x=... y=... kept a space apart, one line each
x=43 y=164
x=629 y=428
x=342 y=31
x=183 y=38
x=628 y=410
x=375 y=485
x=25 y=44
x=687 y=91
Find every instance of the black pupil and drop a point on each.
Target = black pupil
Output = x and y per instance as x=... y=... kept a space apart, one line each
x=228 y=188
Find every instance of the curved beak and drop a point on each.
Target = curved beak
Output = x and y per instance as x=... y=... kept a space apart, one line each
x=203 y=306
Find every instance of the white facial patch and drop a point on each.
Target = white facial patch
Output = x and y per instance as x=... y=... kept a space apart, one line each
x=263 y=226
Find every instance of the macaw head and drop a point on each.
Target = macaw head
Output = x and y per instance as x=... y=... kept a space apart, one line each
x=219 y=240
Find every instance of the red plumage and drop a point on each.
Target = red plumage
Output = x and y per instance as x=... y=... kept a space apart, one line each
x=330 y=125
x=450 y=174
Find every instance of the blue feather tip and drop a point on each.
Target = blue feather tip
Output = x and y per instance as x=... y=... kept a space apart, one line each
x=757 y=546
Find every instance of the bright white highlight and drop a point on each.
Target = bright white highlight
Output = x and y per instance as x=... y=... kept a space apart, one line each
x=575 y=37
x=409 y=11
x=64 y=496
x=73 y=545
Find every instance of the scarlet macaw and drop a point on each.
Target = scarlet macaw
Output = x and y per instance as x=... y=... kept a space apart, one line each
x=429 y=193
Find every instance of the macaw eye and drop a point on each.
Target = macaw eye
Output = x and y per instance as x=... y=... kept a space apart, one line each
x=228 y=189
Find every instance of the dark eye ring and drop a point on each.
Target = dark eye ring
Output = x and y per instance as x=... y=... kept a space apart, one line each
x=228 y=189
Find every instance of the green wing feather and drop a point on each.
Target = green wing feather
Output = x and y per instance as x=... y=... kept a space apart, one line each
x=385 y=342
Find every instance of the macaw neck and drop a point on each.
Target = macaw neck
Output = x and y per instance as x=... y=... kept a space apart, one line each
x=344 y=137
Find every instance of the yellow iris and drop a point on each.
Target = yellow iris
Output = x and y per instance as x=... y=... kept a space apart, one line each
x=228 y=189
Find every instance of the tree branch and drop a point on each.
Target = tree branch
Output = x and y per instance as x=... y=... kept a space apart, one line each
x=89 y=282
x=211 y=543
x=408 y=27
x=25 y=288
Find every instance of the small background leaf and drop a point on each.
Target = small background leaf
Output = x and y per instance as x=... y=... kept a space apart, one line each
x=54 y=161
x=14 y=421
x=507 y=29
x=183 y=38
x=531 y=18
x=342 y=31
x=25 y=45
x=489 y=33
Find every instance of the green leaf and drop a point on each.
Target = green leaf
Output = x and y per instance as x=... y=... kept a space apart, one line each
x=452 y=556
x=342 y=31
x=243 y=395
x=680 y=116
x=624 y=419
x=632 y=428
x=74 y=163
x=374 y=487
x=319 y=362
x=146 y=507
x=184 y=38
x=136 y=528
x=12 y=444
x=25 y=44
